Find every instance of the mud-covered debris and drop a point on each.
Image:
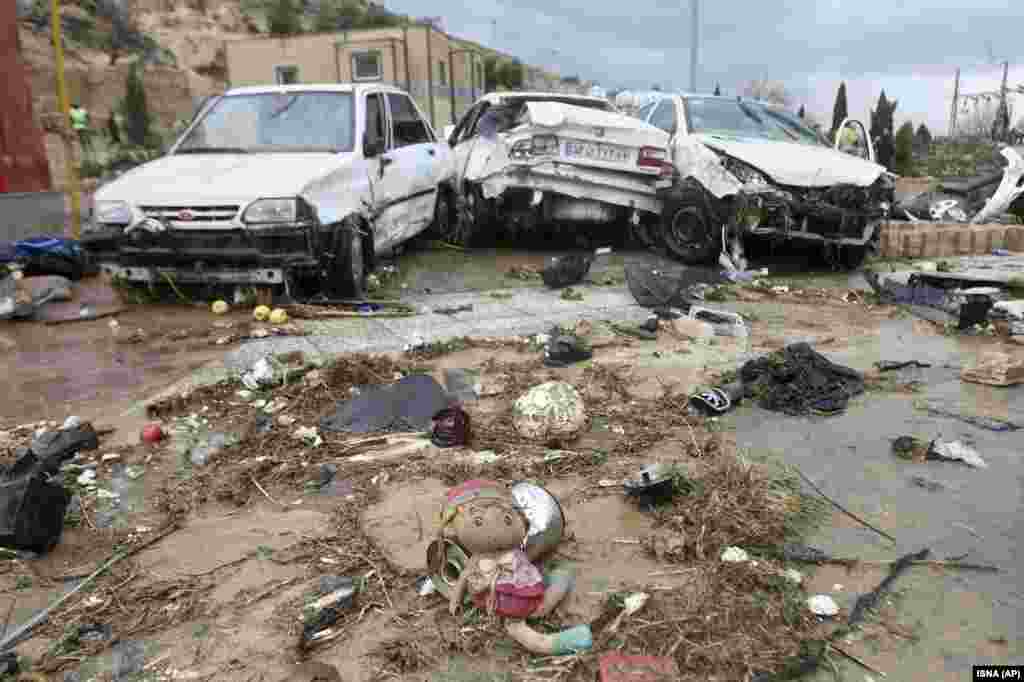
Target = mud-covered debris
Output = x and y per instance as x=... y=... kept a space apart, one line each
x=452 y=427
x=794 y=576
x=735 y=555
x=995 y=369
x=689 y=328
x=566 y=349
x=408 y=405
x=550 y=411
x=892 y=365
x=926 y=483
x=617 y=667
x=325 y=611
x=798 y=380
x=261 y=374
x=564 y=271
x=652 y=486
x=128 y=660
x=723 y=322
x=823 y=605
x=309 y=435
x=463 y=385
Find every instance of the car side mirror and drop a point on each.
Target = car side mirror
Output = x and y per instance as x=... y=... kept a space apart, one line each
x=372 y=148
x=447 y=133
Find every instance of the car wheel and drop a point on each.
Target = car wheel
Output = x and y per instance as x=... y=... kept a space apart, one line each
x=644 y=232
x=687 y=234
x=473 y=216
x=349 y=276
x=445 y=225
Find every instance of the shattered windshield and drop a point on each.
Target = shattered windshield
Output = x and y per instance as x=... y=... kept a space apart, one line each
x=275 y=122
x=731 y=118
x=792 y=125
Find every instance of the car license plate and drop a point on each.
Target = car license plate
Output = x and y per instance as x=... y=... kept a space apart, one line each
x=595 y=151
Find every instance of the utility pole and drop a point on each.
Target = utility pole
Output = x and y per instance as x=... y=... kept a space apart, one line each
x=65 y=110
x=693 y=44
x=956 y=98
x=1004 y=113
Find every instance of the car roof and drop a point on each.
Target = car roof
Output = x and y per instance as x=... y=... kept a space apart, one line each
x=495 y=97
x=311 y=87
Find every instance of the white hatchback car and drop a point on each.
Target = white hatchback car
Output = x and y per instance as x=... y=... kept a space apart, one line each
x=297 y=185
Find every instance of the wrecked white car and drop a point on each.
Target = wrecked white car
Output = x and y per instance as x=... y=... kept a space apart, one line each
x=524 y=159
x=296 y=186
x=744 y=169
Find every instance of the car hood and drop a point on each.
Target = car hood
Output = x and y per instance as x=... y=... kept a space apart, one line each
x=797 y=165
x=236 y=178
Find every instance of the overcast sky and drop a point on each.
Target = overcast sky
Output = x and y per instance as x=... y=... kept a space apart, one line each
x=910 y=48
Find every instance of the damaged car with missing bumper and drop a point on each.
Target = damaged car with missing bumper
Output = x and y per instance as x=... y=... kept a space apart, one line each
x=744 y=169
x=293 y=187
x=524 y=160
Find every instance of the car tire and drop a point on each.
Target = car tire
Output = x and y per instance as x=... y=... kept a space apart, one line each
x=473 y=217
x=687 y=233
x=445 y=224
x=349 y=272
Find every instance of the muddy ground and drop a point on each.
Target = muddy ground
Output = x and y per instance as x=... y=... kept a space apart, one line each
x=222 y=595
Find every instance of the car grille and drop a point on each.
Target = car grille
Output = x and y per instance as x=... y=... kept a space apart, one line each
x=199 y=214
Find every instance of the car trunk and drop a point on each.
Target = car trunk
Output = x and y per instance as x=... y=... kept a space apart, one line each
x=598 y=139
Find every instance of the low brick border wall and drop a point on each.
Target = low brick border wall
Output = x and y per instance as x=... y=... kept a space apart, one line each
x=941 y=240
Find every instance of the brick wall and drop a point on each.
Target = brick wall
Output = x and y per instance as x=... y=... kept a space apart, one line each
x=945 y=240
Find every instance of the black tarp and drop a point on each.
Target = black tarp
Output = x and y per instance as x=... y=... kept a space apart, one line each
x=408 y=405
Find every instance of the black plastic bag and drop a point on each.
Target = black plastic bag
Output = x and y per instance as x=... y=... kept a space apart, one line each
x=32 y=507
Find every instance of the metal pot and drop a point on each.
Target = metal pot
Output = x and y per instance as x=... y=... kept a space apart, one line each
x=544 y=514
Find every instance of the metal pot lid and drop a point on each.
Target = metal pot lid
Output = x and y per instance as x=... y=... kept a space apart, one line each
x=543 y=514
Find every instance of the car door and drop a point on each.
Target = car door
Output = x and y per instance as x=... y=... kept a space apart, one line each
x=412 y=168
x=386 y=186
x=462 y=140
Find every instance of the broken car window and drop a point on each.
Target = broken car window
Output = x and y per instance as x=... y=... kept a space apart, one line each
x=375 y=119
x=729 y=118
x=665 y=116
x=271 y=122
x=407 y=127
x=792 y=124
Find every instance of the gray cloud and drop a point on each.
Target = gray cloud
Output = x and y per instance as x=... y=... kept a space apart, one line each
x=911 y=48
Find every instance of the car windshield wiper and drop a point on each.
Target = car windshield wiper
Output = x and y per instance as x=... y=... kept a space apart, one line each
x=212 y=150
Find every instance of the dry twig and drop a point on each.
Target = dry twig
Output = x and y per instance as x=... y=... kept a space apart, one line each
x=842 y=508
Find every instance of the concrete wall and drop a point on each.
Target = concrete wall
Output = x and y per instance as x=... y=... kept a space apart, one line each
x=414 y=58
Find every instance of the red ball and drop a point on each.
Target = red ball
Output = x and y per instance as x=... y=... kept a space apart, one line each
x=152 y=433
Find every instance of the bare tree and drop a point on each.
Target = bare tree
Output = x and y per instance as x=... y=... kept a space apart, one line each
x=773 y=92
x=976 y=118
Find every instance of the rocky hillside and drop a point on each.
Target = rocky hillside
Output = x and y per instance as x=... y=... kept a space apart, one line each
x=180 y=42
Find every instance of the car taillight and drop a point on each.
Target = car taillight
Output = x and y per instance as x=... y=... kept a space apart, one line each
x=544 y=144
x=652 y=157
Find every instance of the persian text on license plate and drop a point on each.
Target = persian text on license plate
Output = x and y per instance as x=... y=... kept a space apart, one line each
x=597 y=152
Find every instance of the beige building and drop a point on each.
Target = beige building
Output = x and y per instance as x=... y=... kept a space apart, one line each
x=443 y=73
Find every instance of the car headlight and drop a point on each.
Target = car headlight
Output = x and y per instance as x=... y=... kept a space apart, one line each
x=271 y=211
x=112 y=213
x=744 y=172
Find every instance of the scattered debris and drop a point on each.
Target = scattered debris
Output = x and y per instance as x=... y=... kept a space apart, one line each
x=891 y=365
x=794 y=576
x=823 y=605
x=278 y=316
x=219 y=307
x=798 y=380
x=451 y=428
x=927 y=483
x=621 y=668
x=564 y=271
x=716 y=401
x=550 y=411
x=325 y=611
x=735 y=555
x=995 y=369
x=454 y=310
x=152 y=433
x=867 y=601
x=987 y=423
x=723 y=322
x=309 y=436
x=464 y=385
x=841 y=507
x=958 y=452
x=566 y=349
x=654 y=486
x=408 y=405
